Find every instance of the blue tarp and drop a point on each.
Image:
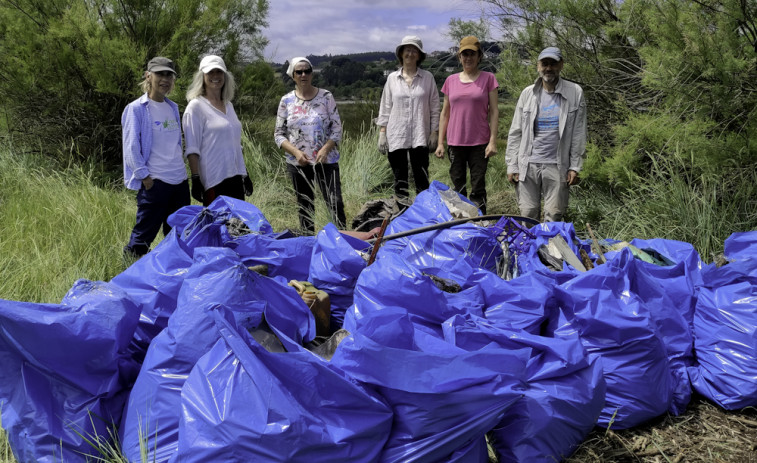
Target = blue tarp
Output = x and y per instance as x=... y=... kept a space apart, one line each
x=438 y=351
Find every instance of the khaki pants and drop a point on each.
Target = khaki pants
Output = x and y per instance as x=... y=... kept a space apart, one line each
x=543 y=181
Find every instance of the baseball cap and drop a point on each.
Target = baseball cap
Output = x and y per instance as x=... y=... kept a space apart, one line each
x=551 y=52
x=469 y=43
x=160 y=63
x=211 y=62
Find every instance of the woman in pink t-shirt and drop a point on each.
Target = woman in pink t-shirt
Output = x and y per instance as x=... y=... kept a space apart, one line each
x=469 y=122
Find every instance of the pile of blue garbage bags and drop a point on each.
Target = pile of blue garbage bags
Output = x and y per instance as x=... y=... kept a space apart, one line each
x=168 y=358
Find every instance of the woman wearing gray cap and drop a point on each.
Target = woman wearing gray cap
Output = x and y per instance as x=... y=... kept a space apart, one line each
x=213 y=135
x=408 y=117
x=153 y=161
x=309 y=130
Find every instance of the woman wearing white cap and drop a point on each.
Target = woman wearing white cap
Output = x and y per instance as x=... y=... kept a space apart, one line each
x=213 y=135
x=408 y=117
x=309 y=130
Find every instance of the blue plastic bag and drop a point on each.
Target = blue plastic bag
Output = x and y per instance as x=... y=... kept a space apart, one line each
x=725 y=327
x=564 y=395
x=217 y=277
x=616 y=324
x=444 y=398
x=66 y=370
x=243 y=403
x=392 y=282
x=334 y=267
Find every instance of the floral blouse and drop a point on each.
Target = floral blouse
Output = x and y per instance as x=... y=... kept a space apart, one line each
x=308 y=125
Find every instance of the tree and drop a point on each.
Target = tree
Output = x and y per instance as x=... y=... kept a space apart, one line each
x=69 y=67
x=660 y=76
x=459 y=28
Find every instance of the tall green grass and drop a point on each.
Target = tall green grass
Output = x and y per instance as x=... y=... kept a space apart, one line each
x=57 y=226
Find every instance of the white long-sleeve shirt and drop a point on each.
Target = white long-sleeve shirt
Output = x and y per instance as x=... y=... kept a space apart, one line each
x=409 y=112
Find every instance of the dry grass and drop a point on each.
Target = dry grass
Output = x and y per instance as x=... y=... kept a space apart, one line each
x=705 y=433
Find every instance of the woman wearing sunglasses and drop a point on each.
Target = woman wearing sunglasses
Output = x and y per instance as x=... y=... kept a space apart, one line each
x=309 y=130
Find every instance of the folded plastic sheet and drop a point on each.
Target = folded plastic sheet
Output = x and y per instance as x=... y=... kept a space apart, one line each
x=564 y=395
x=725 y=327
x=334 y=267
x=616 y=323
x=66 y=370
x=151 y=417
x=530 y=262
x=444 y=398
x=243 y=403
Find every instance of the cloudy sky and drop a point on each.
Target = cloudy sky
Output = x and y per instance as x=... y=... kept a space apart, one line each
x=318 y=27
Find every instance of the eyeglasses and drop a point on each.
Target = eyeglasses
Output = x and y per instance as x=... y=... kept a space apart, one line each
x=307 y=72
x=164 y=73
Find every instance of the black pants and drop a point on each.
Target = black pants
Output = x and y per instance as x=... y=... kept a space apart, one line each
x=232 y=187
x=463 y=158
x=153 y=208
x=419 y=164
x=327 y=177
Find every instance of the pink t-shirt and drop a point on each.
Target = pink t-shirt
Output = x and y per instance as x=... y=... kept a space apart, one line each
x=469 y=109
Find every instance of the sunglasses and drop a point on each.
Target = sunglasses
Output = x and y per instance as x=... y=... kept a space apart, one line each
x=164 y=73
x=307 y=72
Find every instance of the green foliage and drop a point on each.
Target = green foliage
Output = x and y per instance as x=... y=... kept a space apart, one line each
x=70 y=67
x=258 y=91
x=459 y=28
x=661 y=78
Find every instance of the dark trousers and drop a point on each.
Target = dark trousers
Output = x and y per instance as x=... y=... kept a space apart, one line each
x=419 y=164
x=153 y=208
x=327 y=177
x=232 y=187
x=463 y=158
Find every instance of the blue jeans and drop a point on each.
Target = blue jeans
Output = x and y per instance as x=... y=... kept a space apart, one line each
x=153 y=208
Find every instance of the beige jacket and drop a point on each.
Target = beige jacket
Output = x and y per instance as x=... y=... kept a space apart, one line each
x=572 y=128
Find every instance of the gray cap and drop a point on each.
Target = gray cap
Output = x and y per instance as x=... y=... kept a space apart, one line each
x=160 y=63
x=551 y=52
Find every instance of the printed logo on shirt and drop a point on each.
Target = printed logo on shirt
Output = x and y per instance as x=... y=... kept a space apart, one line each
x=168 y=125
x=549 y=118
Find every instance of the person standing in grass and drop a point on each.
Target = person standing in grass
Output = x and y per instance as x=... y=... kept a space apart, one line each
x=469 y=122
x=309 y=130
x=408 y=117
x=213 y=135
x=152 y=155
x=547 y=140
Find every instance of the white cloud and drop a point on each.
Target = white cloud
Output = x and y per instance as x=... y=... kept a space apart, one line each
x=350 y=26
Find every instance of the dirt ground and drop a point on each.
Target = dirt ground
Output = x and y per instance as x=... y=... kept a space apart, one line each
x=705 y=433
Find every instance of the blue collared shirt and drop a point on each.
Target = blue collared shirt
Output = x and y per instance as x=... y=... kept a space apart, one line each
x=137 y=139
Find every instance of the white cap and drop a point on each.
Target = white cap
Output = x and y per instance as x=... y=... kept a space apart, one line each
x=211 y=62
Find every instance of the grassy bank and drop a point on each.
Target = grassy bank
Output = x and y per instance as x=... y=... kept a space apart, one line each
x=62 y=224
